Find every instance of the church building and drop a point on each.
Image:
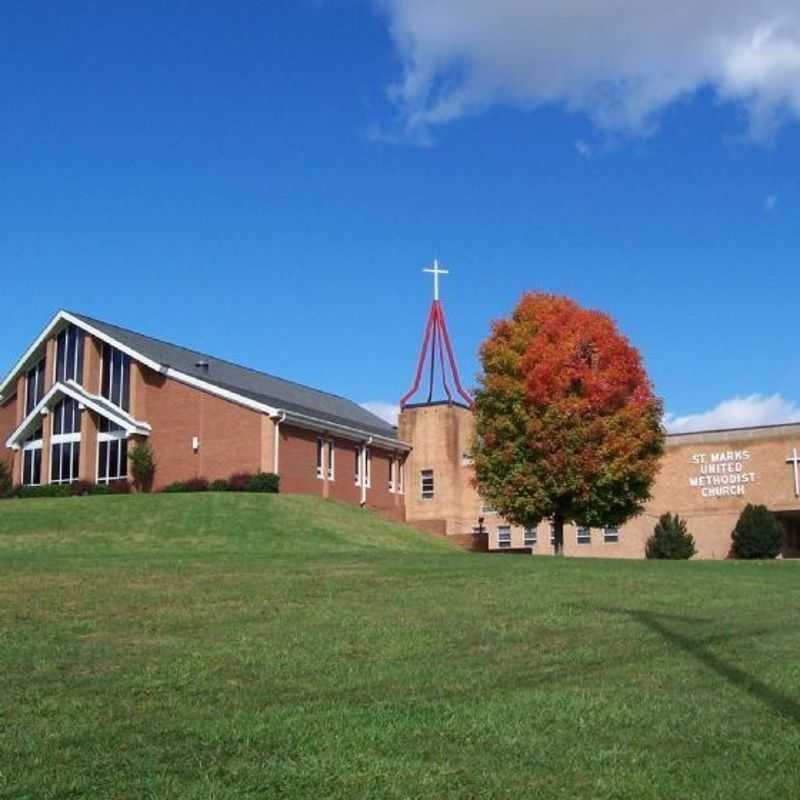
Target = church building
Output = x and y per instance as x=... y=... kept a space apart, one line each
x=86 y=391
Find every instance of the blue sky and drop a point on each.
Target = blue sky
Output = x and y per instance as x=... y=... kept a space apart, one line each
x=265 y=181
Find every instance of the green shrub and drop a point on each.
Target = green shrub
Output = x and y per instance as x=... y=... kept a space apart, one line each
x=50 y=490
x=264 y=482
x=6 y=483
x=175 y=488
x=671 y=540
x=218 y=486
x=757 y=534
x=239 y=481
x=143 y=465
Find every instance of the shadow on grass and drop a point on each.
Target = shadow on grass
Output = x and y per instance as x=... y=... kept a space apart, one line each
x=782 y=704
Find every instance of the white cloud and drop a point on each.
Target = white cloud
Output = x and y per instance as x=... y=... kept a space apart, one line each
x=770 y=203
x=387 y=411
x=584 y=150
x=619 y=63
x=739 y=412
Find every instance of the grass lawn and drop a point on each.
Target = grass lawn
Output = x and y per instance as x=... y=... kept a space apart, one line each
x=231 y=646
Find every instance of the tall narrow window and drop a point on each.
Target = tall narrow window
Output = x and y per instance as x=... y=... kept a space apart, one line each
x=367 y=467
x=66 y=442
x=115 y=381
x=392 y=465
x=529 y=537
x=69 y=355
x=504 y=536
x=426 y=484
x=112 y=453
x=34 y=386
x=320 y=456
x=400 y=476
x=331 y=460
x=32 y=460
x=358 y=467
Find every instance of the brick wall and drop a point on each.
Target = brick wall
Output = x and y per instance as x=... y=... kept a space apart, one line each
x=229 y=434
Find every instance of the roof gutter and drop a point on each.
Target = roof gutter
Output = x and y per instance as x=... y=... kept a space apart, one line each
x=345 y=431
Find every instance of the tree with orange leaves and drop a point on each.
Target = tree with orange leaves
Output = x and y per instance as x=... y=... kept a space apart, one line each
x=568 y=426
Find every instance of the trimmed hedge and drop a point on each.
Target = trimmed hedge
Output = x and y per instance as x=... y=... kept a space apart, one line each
x=77 y=489
x=264 y=482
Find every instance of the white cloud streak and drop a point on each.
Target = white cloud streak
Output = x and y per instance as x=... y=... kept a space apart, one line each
x=619 y=62
x=386 y=411
x=738 y=412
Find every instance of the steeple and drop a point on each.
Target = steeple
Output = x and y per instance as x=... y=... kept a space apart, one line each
x=435 y=343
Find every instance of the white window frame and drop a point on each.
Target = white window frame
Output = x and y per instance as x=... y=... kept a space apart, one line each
x=29 y=447
x=331 y=459
x=504 y=536
x=358 y=466
x=320 y=457
x=65 y=438
x=583 y=535
x=552 y=534
x=368 y=468
x=422 y=474
x=401 y=483
x=392 y=467
x=611 y=535
x=487 y=510
x=39 y=384
x=110 y=436
x=530 y=537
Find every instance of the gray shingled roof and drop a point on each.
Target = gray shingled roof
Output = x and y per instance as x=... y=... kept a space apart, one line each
x=250 y=383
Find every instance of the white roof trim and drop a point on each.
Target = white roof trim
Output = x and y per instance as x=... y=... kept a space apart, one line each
x=345 y=431
x=91 y=401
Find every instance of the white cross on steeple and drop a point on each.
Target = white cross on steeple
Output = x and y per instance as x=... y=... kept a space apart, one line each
x=436 y=272
x=794 y=460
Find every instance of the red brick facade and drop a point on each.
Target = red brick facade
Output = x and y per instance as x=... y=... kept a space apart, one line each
x=196 y=433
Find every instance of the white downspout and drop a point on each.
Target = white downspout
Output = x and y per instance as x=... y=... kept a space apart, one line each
x=275 y=452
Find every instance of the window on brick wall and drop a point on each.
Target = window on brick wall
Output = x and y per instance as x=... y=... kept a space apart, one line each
x=426 y=484
x=529 y=537
x=504 y=536
x=358 y=467
x=112 y=452
x=367 y=468
x=392 y=470
x=331 y=460
x=32 y=460
x=611 y=535
x=69 y=355
x=320 y=456
x=584 y=535
x=34 y=387
x=115 y=377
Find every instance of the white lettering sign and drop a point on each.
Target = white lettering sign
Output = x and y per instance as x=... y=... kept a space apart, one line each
x=722 y=474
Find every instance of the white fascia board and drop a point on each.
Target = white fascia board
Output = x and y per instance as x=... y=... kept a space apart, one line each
x=97 y=404
x=346 y=432
x=28 y=354
x=225 y=394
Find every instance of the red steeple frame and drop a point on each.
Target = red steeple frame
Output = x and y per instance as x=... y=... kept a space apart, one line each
x=435 y=344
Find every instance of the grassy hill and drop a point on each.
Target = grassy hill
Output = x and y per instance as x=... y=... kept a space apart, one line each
x=230 y=646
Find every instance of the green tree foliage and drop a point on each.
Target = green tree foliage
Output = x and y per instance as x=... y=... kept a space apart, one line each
x=568 y=426
x=757 y=534
x=143 y=465
x=671 y=539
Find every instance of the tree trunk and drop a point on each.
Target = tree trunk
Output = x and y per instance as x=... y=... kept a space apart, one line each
x=558 y=530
